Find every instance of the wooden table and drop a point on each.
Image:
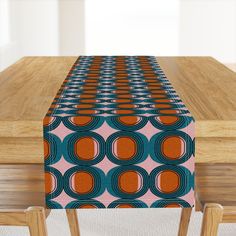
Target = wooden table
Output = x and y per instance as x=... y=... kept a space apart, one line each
x=29 y=86
x=207 y=88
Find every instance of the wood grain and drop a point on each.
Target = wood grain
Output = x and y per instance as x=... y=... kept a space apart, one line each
x=206 y=86
x=36 y=221
x=29 y=86
x=184 y=221
x=212 y=216
x=13 y=217
x=73 y=222
x=30 y=150
x=215 y=150
x=27 y=90
x=229 y=214
x=21 y=150
x=215 y=190
x=208 y=90
x=214 y=182
x=21 y=186
x=33 y=217
x=215 y=128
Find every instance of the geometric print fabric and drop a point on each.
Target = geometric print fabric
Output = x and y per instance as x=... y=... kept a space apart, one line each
x=117 y=135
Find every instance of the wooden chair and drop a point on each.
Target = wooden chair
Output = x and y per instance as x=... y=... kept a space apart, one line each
x=35 y=219
x=215 y=197
x=22 y=199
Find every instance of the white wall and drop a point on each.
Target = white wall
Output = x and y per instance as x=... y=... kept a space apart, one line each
x=71 y=27
x=132 y=27
x=33 y=30
x=155 y=27
x=4 y=22
x=43 y=28
x=208 y=27
x=170 y=27
x=35 y=26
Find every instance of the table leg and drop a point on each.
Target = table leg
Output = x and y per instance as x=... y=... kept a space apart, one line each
x=184 y=221
x=36 y=221
x=73 y=222
x=212 y=216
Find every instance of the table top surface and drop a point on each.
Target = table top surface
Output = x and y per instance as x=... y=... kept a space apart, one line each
x=207 y=88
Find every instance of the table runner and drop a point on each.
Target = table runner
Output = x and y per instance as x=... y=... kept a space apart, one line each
x=118 y=135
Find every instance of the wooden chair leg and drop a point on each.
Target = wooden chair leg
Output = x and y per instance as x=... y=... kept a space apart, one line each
x=73 y=222
x=36 y=221
x=198 y=204
x=212 y=216
x=47 y=212
x=184 y=221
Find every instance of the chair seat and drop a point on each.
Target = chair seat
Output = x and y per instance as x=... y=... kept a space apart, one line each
x=21 y=186
x=216 y=183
